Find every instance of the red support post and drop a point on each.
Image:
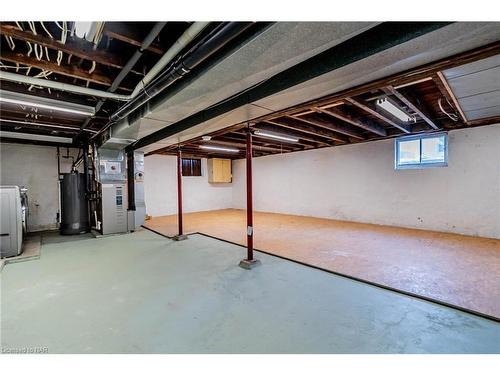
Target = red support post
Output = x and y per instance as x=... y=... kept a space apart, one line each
x=249 y=262
x=179 y=191
x=181 y=235
x=249 y=198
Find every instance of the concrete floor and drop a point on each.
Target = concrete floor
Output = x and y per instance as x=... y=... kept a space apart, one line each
x=459 y=270
x=143 y=293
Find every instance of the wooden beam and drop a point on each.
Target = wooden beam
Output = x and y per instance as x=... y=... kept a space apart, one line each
x=76 y=47
x=300 y=144
x=264 y=142
x=73 y=71
x=303 y=137
x=363 y=124
x=115 y=30
x=308 y=129
x=412 y=103
x=399 y=79
x=331 y=126
x=334 y=135
x=404 y=127
x=241 y=144
x=445 y=89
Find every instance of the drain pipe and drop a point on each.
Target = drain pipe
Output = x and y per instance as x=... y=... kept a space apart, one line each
x=183 y=66
x=186 y=38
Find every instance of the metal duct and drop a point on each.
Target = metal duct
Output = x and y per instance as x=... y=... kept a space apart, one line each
x=183 y=66
x=267 y=50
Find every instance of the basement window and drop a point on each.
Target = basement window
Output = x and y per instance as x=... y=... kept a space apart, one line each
x=421 y=151
x=191 y=167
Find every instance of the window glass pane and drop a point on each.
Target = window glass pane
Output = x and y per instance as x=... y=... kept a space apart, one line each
x=191 y=167
x=433 y=149
x=409 y=152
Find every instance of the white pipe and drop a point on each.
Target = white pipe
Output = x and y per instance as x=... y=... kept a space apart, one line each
x=173 y=51
x=7 y=76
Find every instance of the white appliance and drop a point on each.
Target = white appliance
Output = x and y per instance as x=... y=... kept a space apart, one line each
x=114 y=208
x=11 y=221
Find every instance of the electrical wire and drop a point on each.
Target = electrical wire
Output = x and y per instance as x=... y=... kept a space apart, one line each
x=2 y=65
x=47 y=31
x=452 y=116
x=92 y=68
x=30 y=48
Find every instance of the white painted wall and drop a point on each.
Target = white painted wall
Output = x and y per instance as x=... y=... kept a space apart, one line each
x=35 y=167
x=359 y=183
x=160 y=188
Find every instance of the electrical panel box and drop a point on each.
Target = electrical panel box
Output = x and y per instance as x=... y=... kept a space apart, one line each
x=114 y=208
x=219 y=170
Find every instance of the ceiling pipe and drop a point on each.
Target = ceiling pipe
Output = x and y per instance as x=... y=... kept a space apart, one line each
x=153 y=33
x=19 y=78
x=183 y=66
x=183 y=41
x=217 y=40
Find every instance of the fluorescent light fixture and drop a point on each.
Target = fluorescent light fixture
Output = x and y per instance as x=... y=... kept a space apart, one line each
x=261 y=133
x=218 y=148
x=45 y=103
x=41 y=124
x=82 y=29
x=388 y=105
x=35 y=137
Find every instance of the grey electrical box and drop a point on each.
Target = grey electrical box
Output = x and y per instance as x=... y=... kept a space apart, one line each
x=114 y=208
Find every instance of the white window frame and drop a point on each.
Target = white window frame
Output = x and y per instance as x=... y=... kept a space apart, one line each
x=420 y=165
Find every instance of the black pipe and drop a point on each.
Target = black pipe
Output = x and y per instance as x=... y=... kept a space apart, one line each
x=368 y=43
x=86 y=178
x=58 y=163
x=128 y=66
x=183 y=66
x=131 y=180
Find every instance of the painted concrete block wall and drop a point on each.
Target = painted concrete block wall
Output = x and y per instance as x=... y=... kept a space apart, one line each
x=35 y=167
x=160 y=188
x=359 y=183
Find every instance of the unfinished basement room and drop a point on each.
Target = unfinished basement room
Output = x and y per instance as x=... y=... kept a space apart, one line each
x=250 y=187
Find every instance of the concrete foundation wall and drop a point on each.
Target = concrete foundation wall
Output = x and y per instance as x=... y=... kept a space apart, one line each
x=359 y=183
x=160 y=187
x=35 y=167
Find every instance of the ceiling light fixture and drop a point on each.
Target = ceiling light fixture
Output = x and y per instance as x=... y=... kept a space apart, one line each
x=45 y=103
x=35 y=137
x=260 y=133
x=388 y=105
x=218 y=148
